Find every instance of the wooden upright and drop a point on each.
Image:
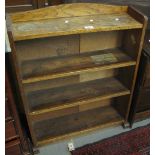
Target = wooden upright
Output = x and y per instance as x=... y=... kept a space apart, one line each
x=76 y=66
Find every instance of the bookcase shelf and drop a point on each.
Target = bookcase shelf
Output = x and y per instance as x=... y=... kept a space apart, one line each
x=49 y=68
x=76 y=66
x=63 y=97
x=73 y=25
x=76 y=123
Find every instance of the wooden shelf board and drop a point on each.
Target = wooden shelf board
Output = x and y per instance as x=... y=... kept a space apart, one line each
x=75 y=124
x=50 y=68
x=73 y=25
x=43 y=101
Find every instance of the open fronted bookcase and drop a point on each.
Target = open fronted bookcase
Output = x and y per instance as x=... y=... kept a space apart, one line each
x=76 y=66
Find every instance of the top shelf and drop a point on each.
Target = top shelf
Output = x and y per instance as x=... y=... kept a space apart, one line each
x=74 y=21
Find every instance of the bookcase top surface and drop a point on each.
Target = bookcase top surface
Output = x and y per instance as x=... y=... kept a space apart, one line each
x=69 y=19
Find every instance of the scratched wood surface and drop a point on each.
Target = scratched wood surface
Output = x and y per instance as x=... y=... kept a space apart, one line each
x=73 y=25
x=41 y=69
x=75 y=124
x=75 y=20
x=67 y=10
x=58 y=98
x=68 y=80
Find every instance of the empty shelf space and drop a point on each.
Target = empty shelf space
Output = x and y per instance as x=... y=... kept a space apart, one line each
x=73 y=25
x=63 y=127
x=49 y=68
x=42 y=101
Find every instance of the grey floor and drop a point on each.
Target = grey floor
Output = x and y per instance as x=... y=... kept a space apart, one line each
x=61 y=148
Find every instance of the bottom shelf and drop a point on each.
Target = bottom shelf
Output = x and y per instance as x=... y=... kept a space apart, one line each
x=70 y=125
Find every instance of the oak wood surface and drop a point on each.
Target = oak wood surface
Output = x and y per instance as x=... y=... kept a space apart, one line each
x=73 y=25
x=139 y=45
x=62 y=20
x=101 y=40
x=76 y=123
x=58 y=98
x=49 y=68
x=70 y=110
x=67 y=10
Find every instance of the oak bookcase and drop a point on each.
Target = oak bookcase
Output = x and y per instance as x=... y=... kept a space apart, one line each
x=76 y=66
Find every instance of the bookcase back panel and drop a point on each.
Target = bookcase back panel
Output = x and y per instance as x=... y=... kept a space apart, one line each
x=69 y=80
x=97 y=75
x=100 y=41
x=47 y=47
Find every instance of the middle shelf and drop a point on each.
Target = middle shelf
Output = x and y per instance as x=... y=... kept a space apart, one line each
x=61 y=66
x=46 y=100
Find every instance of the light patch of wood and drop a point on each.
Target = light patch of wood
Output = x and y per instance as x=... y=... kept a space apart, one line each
x=100 y=40
x=94 y=105
x=67 y=10
x=97 y=75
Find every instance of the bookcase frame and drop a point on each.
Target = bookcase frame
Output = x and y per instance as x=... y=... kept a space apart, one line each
x=99 y=100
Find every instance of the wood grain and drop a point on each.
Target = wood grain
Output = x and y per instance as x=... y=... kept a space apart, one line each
x=75 y=124
x=73 y=25
x=42 y=101
x=139 y=45
x=48 y=84
x=70 y=110
x=67 y=10
x=100 y=41
x=49 y=68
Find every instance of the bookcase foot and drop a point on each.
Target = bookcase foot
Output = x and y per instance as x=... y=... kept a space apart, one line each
x=126 y=125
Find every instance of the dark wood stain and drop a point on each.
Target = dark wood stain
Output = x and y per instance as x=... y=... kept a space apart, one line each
x=51 y=98
x=75 y=122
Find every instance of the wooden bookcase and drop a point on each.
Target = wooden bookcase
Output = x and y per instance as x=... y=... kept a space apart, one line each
x=76 y=66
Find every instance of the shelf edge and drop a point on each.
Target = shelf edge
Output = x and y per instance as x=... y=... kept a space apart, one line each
x=92 y=69
x=77 y=133
x=39 y=112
